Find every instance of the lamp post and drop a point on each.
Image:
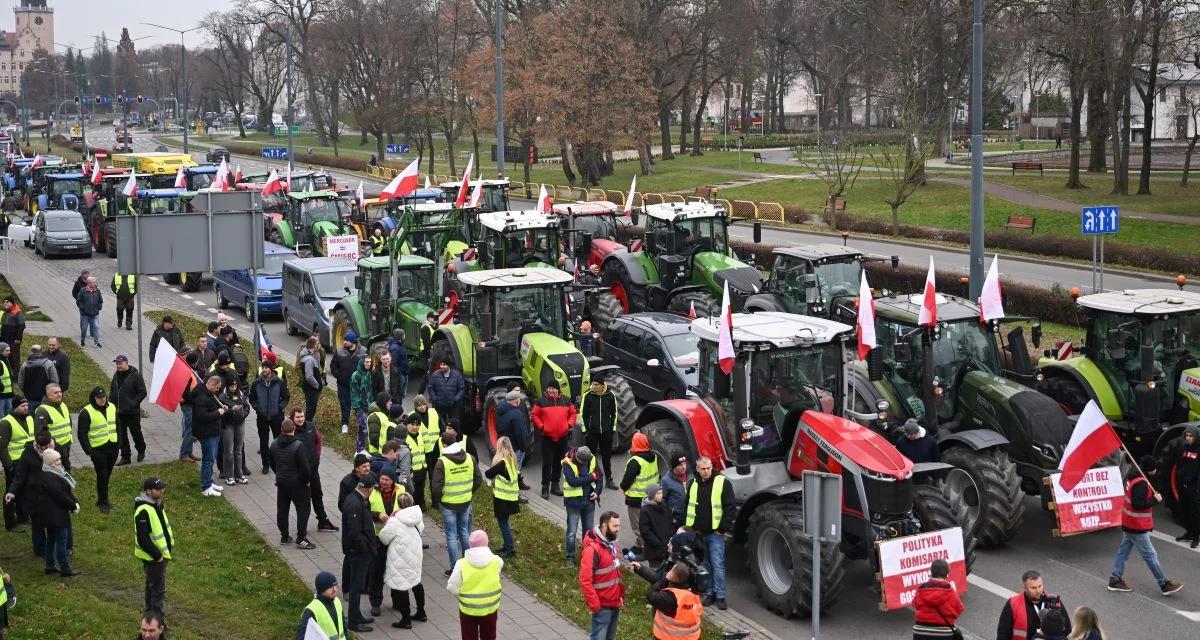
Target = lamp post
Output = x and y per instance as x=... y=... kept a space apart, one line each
x=499 y=91
x=817 y=102
x=975 y=268
x=183 y=81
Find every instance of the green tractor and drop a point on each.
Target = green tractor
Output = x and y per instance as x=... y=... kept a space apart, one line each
x=303 y=220
x=508 y=240
x=392 y=292
x=510 y=325
x=684 y=263
x=949 y=378
x=816 y=280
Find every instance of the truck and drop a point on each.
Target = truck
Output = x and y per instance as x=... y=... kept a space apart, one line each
x=153 y=162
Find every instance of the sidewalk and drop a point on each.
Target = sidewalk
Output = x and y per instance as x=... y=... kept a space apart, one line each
x=522 y=616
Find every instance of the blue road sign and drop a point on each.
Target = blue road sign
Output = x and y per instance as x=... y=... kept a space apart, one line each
x=398 y=148
x=1100 y=220
x=275 y=153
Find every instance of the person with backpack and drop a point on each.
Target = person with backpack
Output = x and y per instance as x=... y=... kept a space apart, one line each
x=583 y=483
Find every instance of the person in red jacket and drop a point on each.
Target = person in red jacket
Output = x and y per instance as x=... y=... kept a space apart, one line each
x=937 y=605
x=554 y=415
x=600 y=576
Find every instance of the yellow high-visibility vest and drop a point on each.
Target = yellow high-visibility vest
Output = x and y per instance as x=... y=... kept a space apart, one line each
x=103 y=428
x=459 y=478
x=480 y=592
x=60 y=422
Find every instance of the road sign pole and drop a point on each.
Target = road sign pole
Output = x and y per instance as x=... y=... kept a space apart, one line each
x=1095 y=244
x=1101 y=263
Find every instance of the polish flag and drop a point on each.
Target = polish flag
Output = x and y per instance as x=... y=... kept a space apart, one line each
x=543 y=203
x=404 y=183
x=237 y=174
x=928 y=316
x=725 y=334
x=1092 y=440
x=171 y=377
x=692 y=310
x=264 y=344
x=866 y=319
x=130 y=188
x=427 y=185
x=466 y=181
x=629 y=198
x=991 y=307
x=96 y=173
x=359 y=195
x=222 y=180
x=288 y=182
x=273 y=184
x=476 y=195
x=180 y=179
x=37 y=161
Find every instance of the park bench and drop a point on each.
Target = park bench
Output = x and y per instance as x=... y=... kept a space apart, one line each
x=1027 y=166
x=706 y=193
x=758 y=157
x=1020 y=222
x=835 y=206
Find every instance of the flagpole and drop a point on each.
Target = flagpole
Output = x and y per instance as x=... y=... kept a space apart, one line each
x=137 y=268
x=1135 y=462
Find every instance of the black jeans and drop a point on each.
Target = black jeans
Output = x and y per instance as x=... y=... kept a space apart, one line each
x=317 y=494
x=125 y=306
x=103 y=459
x=1189 y=501
x=552 y=455
x=601 y=445
x=13 y=513
x=268 y=428
x=310 y=401
x=400 y=600
x=129 y=425
x=156 y=585
x=375 y=580
x=287 y=496
x=356 y=568
x=418 y=482
x=64 y=450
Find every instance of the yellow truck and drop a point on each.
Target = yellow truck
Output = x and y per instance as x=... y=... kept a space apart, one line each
x=153 y=162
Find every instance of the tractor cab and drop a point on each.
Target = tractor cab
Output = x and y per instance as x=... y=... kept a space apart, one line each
x=601 y=220
x=303 y=219
x=819 y=279
x=515 y=239
x=155 y=201
x=391 y=292
x=101 y=203
x=61 y=191
x=196 y=178
x=495 y=193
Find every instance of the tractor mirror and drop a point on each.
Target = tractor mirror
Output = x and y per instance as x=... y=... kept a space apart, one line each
x=1116 y=344
x=633 y=217
x=481 y=249
x=757 y=232
x=875 y=365
x=1035 y=335
x=652 y=362
x=564 y=223
x=896 y=264
x=583 y=248
x=812 y=293
x=360 y=282
x=721 y=386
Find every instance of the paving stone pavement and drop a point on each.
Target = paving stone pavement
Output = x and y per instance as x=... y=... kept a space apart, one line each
x=522 y=616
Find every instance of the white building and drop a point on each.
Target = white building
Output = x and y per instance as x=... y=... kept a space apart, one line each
x=1176 y=107
x=34 y=30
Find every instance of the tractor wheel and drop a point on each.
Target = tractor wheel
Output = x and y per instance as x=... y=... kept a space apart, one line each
x=605 y=308
x=276 y=237
x=938 y=507
x=109 y=232
x=191 y=281
x=706 y=305
x=1067 y=393
x=1001 y=501
x=627 y=411
x=616 y=276
x=666 y=440
x=780 y=561
x=222 y=302
x=1167 y=480
x=341 y=324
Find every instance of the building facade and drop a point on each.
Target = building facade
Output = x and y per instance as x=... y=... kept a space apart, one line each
x=34 y=30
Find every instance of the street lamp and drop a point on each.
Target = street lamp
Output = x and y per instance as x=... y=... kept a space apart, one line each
x=817 y=103
x=950 y=128
x=183 y=72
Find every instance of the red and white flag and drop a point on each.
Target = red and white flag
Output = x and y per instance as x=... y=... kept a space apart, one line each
x=222 y=180
x=37 y=161
x=866 y=319
x=264 y=344
x=928 y=316
x=991 y=307
x=466 y=182
x=272 y=184
x=725 y=334
x=629 y=197
x=427 y=185
x=130 y=188
x=96 y=173
x=288 y=182
x=359 y=195
x=692 y=310
x=1064 y=351
x=180 y=179
x=543 y=203
x=171 y=377
x=404 y=183
x=1092 y=440
x=237 y=174
x=476 y=195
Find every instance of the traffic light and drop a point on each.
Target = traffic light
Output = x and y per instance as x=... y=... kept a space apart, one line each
x=139 y=99
x=97 y=98
x=76 y=99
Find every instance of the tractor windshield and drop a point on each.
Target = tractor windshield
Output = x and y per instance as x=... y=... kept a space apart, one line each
x=598 y=226
x=964 y=346
x=200 y=181
x=415 y=284
x=528 y=309
x=495 y=198
x=787 y=381
x=59 y=188
x=161 y=205
x=838 y=279
x=523 y=246
x=324 y=210
x=787 y=278
x=333 y=285
x=685 y=237
x=1176 y=341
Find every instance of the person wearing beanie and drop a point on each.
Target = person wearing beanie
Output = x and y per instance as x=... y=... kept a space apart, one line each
x=583 y=483
x=554 y=416
x=598 y=419
x=455 y=478
x=16 y=435
x=475 y=580
x=269 y=397
x=1184 y=453
x=154 y=542
x=410 y=429
x=126 y=392
x=8 y=381
x=344 y=364
x=166 y=330
x=512 y=422
x=97 y=432
x=377 y=426
x=399 y=359
x=430 y=437
x=1137 y=521
x=359 y=543
x=395 y=460
x=656 y=523
x=673 y=484
x=364 y=402
x=55 y=505
x=325 y=609
x=640 y=472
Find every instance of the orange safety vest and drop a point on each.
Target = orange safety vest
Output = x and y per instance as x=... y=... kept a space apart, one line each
x=1131 y=518
x=686 y=623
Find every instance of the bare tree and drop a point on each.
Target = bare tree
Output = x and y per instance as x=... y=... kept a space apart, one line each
x=838 y=167
x=902 y=170
x=292 y=21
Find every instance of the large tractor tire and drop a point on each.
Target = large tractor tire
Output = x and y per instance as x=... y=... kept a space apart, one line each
x=627 y=410
x=342 y=323
x=276 y=237
x=170 y=278
x=937 y=507
x=109 y=232
x=706 y=305
x=491 y=401
x=667 y=439
x=1067 y=393
x=604 y=308
x=780 y=561
x=191 y=281
x=616 y=277
x=1001 y=501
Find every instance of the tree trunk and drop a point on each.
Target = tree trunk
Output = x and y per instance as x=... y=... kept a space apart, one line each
x=644 y=159
x=362 y=138
x=1097 y=127
x=1187 y=159
x=379 y=148
x=1073 y=181
x=474 y=142
x=895 y=220
x=664 y=127
x=564 y=153
x=432 y=155
x=744 y=107
x=699 y=118
x=450 y=155
x=685 y=117
x=314 y=104
x=1148 y=98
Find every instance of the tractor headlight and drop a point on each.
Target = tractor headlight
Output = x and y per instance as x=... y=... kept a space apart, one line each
x=882 y=405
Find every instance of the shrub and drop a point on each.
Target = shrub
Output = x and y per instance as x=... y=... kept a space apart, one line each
x=338 y=162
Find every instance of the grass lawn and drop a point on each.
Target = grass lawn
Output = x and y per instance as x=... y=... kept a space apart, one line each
x=729 y=160
x=1166 y=195
x=31 y=313
x=947 y=206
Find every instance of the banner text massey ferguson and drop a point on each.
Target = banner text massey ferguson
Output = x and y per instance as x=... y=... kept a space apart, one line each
x=904 y=564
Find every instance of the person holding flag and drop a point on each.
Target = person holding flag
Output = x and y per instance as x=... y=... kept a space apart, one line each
x=1137 y=521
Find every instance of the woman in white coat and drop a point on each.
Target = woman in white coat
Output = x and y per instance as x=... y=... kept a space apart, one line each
x=402 y=535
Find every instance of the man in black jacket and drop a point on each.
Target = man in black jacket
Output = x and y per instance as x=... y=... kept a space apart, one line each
x=154 y=548
x=98 y=438
x=166 y=330
x=598 y=413
x=24 y=487
x=12 y=329
x=307 y=434
x=61 y=362
x=1035 y=601
x=359 y=544
x=710 y=515
x=127 y=391
x=290 y=463
x=269 y=397
x=362 y=466
x=206 y=427
x=512 y=421
x=1185 y=453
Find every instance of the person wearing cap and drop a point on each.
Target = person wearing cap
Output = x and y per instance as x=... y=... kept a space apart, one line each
x=363 y=402
x=223 y=367
x=127 y=391
x=269 y=397
x=583 y=483
x=90 y=302
x=359 y=543
x=475 y=581
x=153 y=542
x=362 y=466
x=512 y=422
x=290 y=463
x=342 y=367
x=554 y=416
x=656 y=525
x=12 y=329
x=917 y=445
x=399 y=355
x=640 y=472
x=16 y=435
x=8 y=380
x=34 y=374
x=166 y=330
x=673 y=485
x=54 y=416
x=61 y=362
x=206 y=426
x=80 y=282
x=125 y=287
x=598 y=420
x=97 y=431
x=1185 y=454
x=55 y=505
x=325 y=610
x=455 y=478
x=1137 y=521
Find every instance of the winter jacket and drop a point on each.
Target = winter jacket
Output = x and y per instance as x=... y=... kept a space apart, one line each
x=173 y=336
x=703 y=522
x=25 y=487
x=62 y=367
x=631 y=473
x=1187 y=461
x=399 y=355
x=143 y=537
x=358 y=528
x=33 y=376
x=554 y=417
x=937 y=603
x=501 y=507
x=513 y=422
x=289 y=461
x=589 y=484
x=269 y=398
x=12 y=325
x=78 y=286
x=600 y=573
x=83 y=425
x=478 y=557
x=657 y=525
x=345 y=363
x=90 y=302
x=206 y=420
x=56 y=501
x=674 y=495
x=437 y=482
x=310 y=437
x=127 y=391
x=374 y=424
x=402 y=535
x=234 y=416
x=311 y=375
x=381 y=465
x=445 y=389
x=392 y=384
x=923 y=449
x=1004 y=628
x=362 y=388
x=598 y=411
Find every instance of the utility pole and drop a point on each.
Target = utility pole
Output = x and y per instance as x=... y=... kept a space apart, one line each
x=976 y=265
x=24 y=113
x=288 y=47
x=499 y=89
x=183 y=119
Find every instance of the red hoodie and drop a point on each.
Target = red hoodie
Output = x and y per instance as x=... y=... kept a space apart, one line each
x=937 y=603
x=600 y=573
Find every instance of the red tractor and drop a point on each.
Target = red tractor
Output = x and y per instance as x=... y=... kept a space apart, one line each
x=779 y=414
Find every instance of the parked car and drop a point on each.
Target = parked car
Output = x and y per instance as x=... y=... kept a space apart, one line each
x=216 y=154
x=311 y=288
x=657 y=352
x=238 y=286
x=61 y=232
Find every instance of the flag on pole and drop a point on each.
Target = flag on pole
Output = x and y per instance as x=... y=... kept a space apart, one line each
x=37 y=161
x=629 y=198
x=991 y=306
x=180 y=179
x=313 y=631
x=273 y=184
x=171 y=377
x=725 y=334
x=1092 y=440
x=928 y=316
x=96 y=173
x=237 y=174
x=404 y=183
x=866 y=319
x=692 y=310
x=359 y=195
x=476 y=195
x=466 y=181
x=289 y=177
x=543 y=203
x=264 y=344
x=130 y=188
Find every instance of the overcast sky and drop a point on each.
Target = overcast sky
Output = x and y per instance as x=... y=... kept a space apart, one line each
x=77 y=22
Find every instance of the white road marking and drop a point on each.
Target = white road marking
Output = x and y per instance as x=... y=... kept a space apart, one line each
x=211 y=310
x=187 y=296
x=199 y=302
x=1169 y=539
x=1194 y=616
x=176 y=290
x=989 y=586
x=155 y=278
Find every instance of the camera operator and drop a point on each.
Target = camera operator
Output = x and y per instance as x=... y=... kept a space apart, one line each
x=677 y=608
x=685 y=548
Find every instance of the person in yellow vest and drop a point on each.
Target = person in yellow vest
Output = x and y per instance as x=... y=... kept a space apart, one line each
x=710 y=515
x=475 y=579
x=378 y=243
x=506 y=492
x=4 y=601
x=8 y=380
x=677 y=610
x=125 y=286
x=153 y=542
x=16 y=431
x=455 y=479
x=97 y=429
x=325 y=610
x=54 y=416
x=379 y=427
x=384 y=502
x=431 y=433
x=640 y=472
x=412 y=439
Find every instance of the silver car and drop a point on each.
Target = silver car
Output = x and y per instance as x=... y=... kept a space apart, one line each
x=61 y=232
